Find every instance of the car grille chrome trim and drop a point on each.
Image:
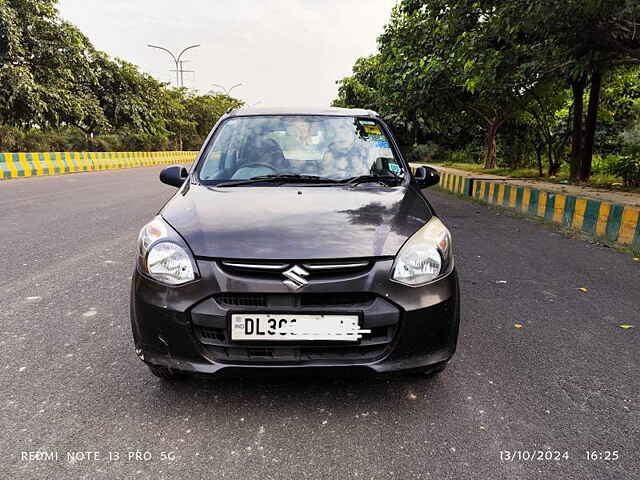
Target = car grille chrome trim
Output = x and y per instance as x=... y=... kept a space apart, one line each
x=256 y=266
x=334 y=266
x=313 y=267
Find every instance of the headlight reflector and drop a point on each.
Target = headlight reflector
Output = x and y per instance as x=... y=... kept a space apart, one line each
x=170 y=263
x=153 y=231
x=163 y=255
x=426 y=256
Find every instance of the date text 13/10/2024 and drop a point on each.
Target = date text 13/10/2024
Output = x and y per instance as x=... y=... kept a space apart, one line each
x=556 y=455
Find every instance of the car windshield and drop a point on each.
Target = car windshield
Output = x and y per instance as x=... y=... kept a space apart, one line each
x=302 y=147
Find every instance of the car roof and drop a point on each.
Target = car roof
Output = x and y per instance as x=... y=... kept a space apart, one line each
x=324 y=111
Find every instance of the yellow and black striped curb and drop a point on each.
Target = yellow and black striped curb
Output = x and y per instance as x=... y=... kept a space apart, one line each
x=614 y=223
x=16 y=165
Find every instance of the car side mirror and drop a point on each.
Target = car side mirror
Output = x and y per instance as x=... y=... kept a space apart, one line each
x=175 y=175
x=426 y=177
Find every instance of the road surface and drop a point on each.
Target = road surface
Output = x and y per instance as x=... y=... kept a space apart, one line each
x=567 y=380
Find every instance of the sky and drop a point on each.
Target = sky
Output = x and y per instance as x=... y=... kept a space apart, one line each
x=284 y=52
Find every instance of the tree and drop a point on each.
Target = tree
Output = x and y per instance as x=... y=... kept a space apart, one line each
x=590 y=38
x=52 y=79
x=205 y=110
x=46 y=75
x=462 y=55
x=362 y=87
x=548 y=118
x=619 y=107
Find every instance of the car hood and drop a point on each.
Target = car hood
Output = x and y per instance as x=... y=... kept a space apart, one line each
x=296 y=223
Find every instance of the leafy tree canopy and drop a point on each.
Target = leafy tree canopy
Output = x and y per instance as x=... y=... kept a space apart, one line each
x=52 y=78
x=458 y=68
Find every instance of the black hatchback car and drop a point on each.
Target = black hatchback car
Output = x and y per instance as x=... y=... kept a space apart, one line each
x=299 y=239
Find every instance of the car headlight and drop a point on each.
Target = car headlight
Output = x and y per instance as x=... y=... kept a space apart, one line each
x=426 y=256
x=162 y=254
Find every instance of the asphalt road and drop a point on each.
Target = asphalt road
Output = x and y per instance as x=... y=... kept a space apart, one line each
x=567 y=380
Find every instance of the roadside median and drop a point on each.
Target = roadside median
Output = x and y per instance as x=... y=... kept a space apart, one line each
x=17 y=165
x=611 y=217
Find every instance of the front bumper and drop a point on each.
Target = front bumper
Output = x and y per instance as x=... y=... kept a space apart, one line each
x=186 y=328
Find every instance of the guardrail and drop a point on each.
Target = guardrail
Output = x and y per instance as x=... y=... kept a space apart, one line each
x=614 y=223
x=16 y=165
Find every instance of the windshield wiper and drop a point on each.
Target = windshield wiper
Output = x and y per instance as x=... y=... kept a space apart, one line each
x=281 y=178
x=383 y=179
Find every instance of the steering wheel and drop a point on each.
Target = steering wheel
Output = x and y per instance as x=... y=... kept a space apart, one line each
x=258 y=164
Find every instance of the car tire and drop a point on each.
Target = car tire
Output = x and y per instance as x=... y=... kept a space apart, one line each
x=165 y=372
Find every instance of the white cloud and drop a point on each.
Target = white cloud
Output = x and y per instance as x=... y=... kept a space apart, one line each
x=285 y=52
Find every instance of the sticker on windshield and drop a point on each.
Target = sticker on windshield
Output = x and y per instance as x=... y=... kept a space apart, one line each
x=372 y=130
x=394 y=168
x=381 y=143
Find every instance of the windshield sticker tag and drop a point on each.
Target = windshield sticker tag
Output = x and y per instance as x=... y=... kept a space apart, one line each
x=381 y=143
x=394 y=168
x=372 y=129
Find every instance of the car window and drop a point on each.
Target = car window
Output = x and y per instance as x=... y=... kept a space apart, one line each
x=222 y=151
x=335 y=147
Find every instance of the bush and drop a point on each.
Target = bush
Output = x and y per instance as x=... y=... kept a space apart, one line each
x=451 y=156
x=107 y=143
x=423 y=152
x=133 y=142
x=434 y=153
x=70 y=139
x=627 y=167
x=10 y=138
x=601 y=164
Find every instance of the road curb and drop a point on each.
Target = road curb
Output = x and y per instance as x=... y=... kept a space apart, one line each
x=39 y=164
x=610 y=222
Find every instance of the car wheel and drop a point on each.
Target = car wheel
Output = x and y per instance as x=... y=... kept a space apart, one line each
x=164 y=372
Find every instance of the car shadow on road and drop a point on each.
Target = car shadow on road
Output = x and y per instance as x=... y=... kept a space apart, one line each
x=299 y=395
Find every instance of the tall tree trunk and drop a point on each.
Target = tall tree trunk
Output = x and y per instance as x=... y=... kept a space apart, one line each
x=538 y=148
x=590 y=126
x=577 y=87
x=550 y=155
x=490 y=145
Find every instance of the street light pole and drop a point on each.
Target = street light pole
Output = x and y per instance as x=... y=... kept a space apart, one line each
x=226 y=92
x=176 y=60
x=183 y=71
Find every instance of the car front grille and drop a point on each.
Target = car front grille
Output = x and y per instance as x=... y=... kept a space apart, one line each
x=315 y=269
x=210 y=326
x=369 y=348
x=304 y=300
x=242 y=299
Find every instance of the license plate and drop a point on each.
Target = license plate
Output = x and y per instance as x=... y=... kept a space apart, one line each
x=278 y=327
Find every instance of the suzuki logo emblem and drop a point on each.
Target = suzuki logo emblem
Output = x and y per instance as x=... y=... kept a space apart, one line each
x=295 y=280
